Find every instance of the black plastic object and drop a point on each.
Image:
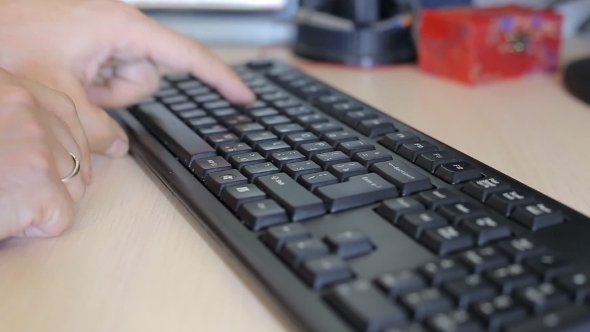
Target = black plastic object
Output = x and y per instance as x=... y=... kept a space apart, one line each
x=577 y=79
x=355 y=32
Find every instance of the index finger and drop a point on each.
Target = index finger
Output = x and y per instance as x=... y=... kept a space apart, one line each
x=179 y=52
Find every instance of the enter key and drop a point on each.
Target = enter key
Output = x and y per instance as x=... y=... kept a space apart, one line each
x=358 y=191
x=406 y=178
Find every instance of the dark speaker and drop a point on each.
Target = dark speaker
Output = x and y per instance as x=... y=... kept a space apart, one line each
x=356 y=32
x=577 y=79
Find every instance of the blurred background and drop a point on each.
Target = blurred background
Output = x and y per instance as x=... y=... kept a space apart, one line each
x=268 y=22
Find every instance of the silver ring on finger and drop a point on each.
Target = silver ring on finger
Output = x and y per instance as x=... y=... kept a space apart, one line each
x=74 y=171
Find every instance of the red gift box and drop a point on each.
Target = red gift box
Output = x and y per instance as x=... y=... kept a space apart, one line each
x=476 y=45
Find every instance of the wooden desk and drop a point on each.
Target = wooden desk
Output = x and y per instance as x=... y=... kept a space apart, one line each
x=132 y=262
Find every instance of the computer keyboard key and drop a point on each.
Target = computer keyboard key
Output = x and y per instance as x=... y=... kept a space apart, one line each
x=549 y=266
x=520 y=248
x=486 y=229
x=280 y=159
x=459 y=211
x=201 y=167
x=256 y=104
x=349 y=244
x=217 y=181
x=204 y=121
x=299 y=203
x=189 y=85
x=431 y=160
x=261 y=214
x=316 y=180
x=197 y=91
x=206 y=98
x=228 y=150
x=455 y=321
x=311 y=149
x=571 y=318
x=401 y=282
x=184 y=143
x=333 y=138
x=215 y=105
x=308 y=119
x=469 y=289
x=295 y=140
x=481 y=189
x=329 y=99
x=375 y=127
x=174 y=100
x=234 y=120
x=217 y=140
x=442 y=270
x=511 y=277
x=189 y=106
x=267 y=148
x=296 y=111
x=263 y=136
x=264 y=89
x=297 y=169
x=457 y=172
x=244 y=159
x=269 y=97
x=206 y=131
x=411 y=151
x=221 y=113
x=393 y=209
x=577 y=284
x=416 y=223
x=506 y=201
x=403 y=176
x=340 y=109
x=484 y=258
x=351 y=147
x=369 y=158
x=448 y=239
x=256 y=170
x=187 y=115
x=358 y=191
x=435 y=198
x=271 y=121
x=353 y=118
x=542 y=298
x=394 y=140
x=260 y=64
x=276 y=237
x=416 y=327
x=235 y=196
x=365 y=307
x=537 y=216
x=286 y=103
x=327 y=159
x=499 y=311
x=426 y=302
x=314 y=90
x=324 y=127
x=296 y=252
x=262 y=112
x=167 y=92
x=324 y=271
x=283 y=130
x=347 y=170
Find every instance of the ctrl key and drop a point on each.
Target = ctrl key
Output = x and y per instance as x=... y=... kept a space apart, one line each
x=365 y=307
x=261 y=214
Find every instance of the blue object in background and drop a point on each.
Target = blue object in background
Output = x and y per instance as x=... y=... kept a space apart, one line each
x=443 y=3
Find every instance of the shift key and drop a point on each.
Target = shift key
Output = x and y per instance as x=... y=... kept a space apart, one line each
x=299 y=203
x=184 y=143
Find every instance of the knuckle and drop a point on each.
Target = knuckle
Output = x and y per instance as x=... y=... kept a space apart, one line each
x=37 y=159
x=17 y=96
x=66 y=104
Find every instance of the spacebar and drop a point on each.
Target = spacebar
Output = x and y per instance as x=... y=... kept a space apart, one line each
x=184 y=143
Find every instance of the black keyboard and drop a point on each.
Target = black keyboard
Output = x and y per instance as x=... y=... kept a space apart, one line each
x=354 y=221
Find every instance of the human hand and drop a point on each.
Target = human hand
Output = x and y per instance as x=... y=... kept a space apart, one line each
x=39 y=128
x=103 y=54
